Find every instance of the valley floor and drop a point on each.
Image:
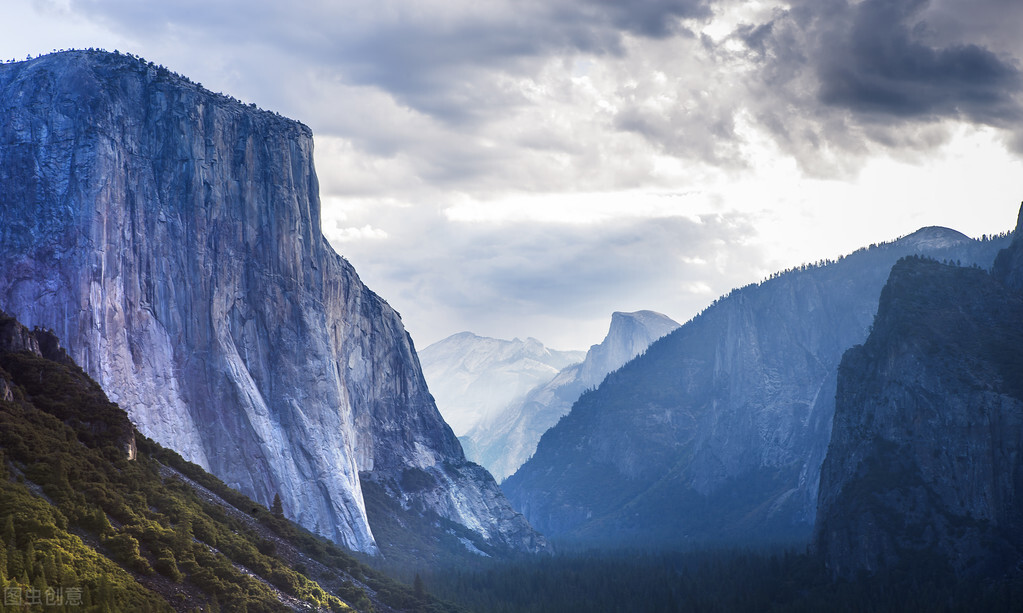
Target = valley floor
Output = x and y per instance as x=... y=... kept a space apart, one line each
x=725 y=581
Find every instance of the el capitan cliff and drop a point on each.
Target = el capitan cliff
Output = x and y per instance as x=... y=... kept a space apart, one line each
x=171 y=237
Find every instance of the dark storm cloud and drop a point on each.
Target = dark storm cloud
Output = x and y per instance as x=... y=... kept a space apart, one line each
x=878 y=65
x=828 y=79
x=413 y=56
x=881 y=71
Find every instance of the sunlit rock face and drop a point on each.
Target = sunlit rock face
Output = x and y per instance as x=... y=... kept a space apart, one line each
x=923 y=465
x=505 y=439
x=717 y=432
x=171 y=237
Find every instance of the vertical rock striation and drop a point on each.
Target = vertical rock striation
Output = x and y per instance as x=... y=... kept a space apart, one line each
x=171 y=236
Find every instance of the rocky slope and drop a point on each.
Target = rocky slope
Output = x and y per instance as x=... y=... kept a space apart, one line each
x=923 y=465
x=171 y=236
x=472 y=377
x=505 y=439
x=717 y=433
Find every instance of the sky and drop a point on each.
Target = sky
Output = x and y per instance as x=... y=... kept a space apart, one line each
x=523 y=168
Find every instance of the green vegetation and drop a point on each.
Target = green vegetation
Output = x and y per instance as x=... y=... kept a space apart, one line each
x=79 y=519
x=41 y=560
x=387 y=590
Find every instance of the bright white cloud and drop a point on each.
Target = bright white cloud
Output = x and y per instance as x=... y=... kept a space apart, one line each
x=582 y=207
x=344 y=235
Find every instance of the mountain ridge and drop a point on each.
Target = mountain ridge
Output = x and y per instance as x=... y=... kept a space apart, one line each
x=715 y=435
x=504 y=441
x=928 y=419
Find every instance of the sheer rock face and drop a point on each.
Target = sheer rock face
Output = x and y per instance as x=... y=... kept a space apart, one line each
x=717 y=432
x=505 y=440
x=171 y=236
x=924 y=459
x=1008 y=267
x=628 y=336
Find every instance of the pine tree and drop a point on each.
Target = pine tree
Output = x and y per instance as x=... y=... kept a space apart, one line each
x=30 y=559
x=50 y=570
x=183 y=535
x=277 y=509
x=418 y=588
x=8 y=533
x=15 y=562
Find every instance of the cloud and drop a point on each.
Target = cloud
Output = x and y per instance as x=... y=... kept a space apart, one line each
x=880 y=67
x=543 y=280
x=422 y=109
x=838 y=80
x=653 y=18
x=556 y=95
x=432 y=55
x=343 y=234
x=478 y=97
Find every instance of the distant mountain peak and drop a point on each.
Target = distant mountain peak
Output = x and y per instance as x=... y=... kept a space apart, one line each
x=509 y=436
x=628 y=335
x=934 y=237
x=645 y=318
x=641 y=314
x=473 y=376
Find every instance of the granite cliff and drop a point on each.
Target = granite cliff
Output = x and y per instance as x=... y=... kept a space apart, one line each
x=923 y=468
x=506 y=439
x=171 y=237
x=717 y=432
